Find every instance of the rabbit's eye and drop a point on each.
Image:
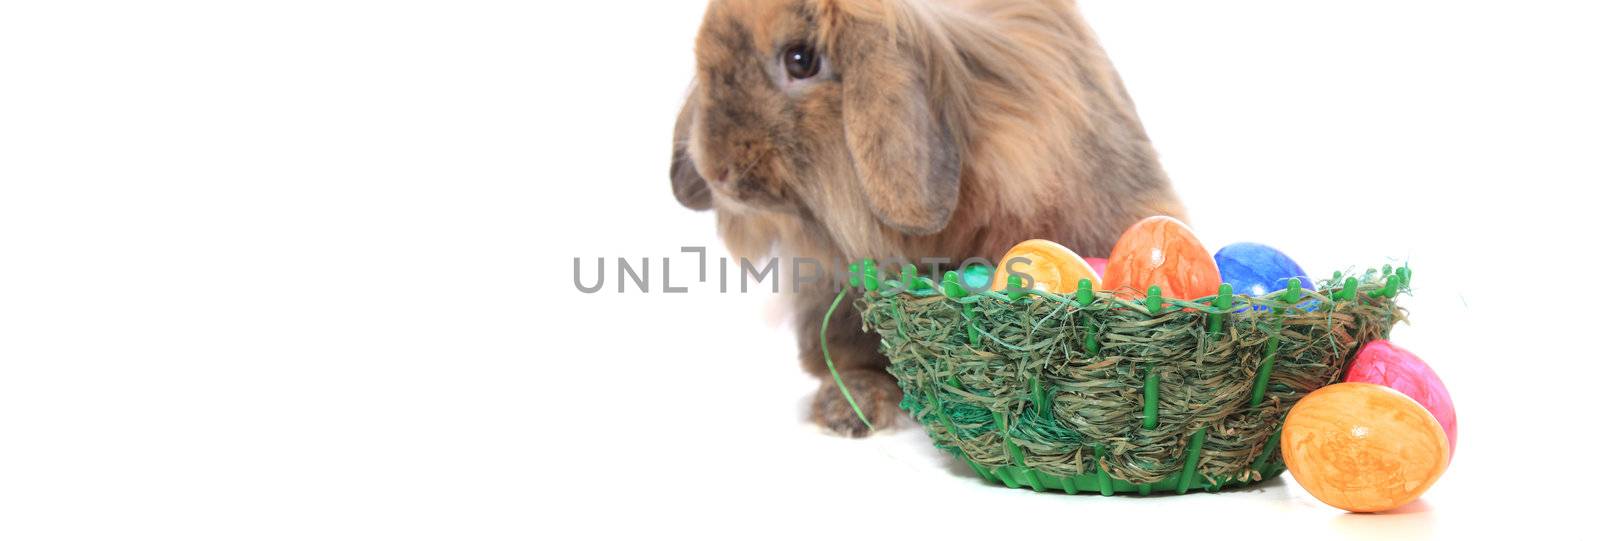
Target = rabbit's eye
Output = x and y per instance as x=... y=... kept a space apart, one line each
x=801 y=61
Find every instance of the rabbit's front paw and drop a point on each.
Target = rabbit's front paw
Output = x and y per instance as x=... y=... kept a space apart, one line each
x=873 y=390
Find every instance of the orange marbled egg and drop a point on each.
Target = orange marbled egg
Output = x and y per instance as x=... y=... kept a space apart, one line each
x=1048 y=267
x=1161 y=251
x=1363 y=447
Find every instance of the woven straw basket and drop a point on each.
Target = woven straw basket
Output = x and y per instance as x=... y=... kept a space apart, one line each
x=1100 y=392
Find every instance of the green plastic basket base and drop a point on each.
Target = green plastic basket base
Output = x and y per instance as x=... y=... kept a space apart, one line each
x=1090 y=483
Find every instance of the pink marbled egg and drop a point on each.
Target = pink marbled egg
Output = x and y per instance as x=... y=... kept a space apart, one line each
x=1383 y=363
x=1097 y=263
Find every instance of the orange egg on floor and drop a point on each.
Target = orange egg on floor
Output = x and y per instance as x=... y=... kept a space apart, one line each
x=1161 y=251
x=1052 y=267
x=1363 y=447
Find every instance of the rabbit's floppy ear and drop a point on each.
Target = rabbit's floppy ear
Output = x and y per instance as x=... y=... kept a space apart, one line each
x=906 y=157
x=687 y=186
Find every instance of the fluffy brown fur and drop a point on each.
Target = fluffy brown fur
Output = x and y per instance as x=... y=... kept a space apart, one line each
x=937 y=129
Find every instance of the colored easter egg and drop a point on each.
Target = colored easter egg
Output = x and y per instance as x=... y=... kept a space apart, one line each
x=977 y=277
x=1257 y=269
x=974 y=278
x=1383 y=363
x=1049 y=266
x=1097 y=263
x=1363 y=447
x=1161 y=251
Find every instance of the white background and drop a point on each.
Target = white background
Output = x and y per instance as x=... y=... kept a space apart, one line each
x=303 y=269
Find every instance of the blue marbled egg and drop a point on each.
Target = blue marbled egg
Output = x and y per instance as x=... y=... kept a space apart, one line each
x=1257 y=269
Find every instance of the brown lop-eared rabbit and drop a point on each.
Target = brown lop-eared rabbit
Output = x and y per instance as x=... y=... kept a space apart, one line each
x=847 y=129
